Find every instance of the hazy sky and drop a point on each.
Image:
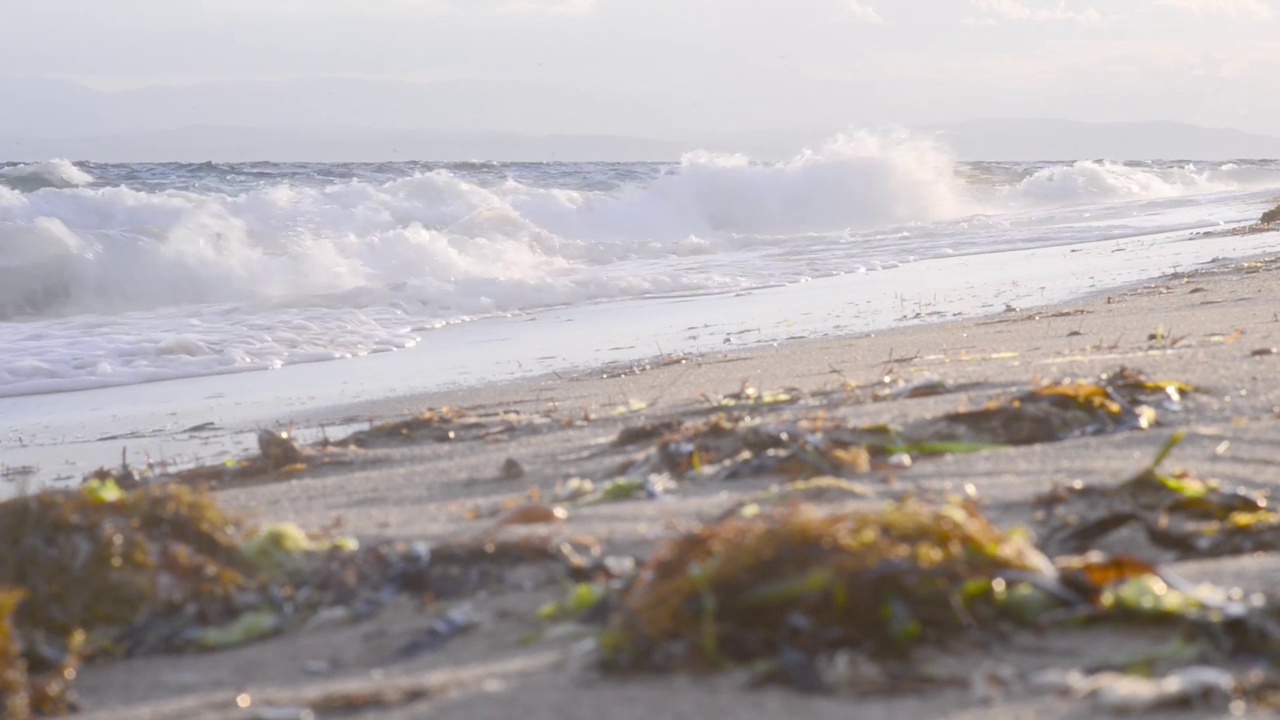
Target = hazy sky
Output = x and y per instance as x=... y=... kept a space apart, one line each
x=707 y=63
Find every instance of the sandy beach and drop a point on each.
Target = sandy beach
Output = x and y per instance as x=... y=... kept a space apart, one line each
x=585 y=359
x=1214 y=327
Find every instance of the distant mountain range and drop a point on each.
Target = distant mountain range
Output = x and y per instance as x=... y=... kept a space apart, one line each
x=350 y=119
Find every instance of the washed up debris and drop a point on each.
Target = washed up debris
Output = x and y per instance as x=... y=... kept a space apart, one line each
x=578 y=615
x=1196 y=686
x=894 y=388
x=459 y=570
x=749 y=395
x=99 y=573
x=1179 y=512
x=279 y=454
x=1055 y=412
x=793 y=578
x=652 y=487
x=28 y=689
x=512 y=470
x=817 y=490
x=18 y=473
x=636 y=434
x=633 y=406
x=581 y=601
x=165 y=568
x=136 y=561
x=728 y=445
x=796 y=591
x=277 y=450
x=725 y=446
x=345 y=701
x=447 y=425
x=443 y=630
x=533 y=514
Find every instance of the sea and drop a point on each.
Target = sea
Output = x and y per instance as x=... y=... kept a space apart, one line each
x=130 y=275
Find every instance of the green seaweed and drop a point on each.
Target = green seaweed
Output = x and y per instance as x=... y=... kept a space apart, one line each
x=1178 y=510
x=727 y=593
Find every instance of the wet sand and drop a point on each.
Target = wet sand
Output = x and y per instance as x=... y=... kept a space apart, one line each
x=1213 y=327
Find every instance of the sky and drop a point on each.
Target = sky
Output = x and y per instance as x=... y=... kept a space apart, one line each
x=659 y=67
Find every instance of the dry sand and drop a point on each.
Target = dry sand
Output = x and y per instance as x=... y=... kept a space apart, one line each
x=1202 y=327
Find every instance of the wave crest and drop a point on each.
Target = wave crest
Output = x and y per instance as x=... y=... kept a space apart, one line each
x=449 y=247
x=59 y=174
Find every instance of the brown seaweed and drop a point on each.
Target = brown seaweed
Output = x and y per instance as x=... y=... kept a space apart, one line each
x=445 y=425
x=1178 y=510
x=788 y=590
x=796 y=578
x=729 y=445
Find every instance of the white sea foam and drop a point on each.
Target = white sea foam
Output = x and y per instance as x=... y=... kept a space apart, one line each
x=51 y=174
x=116 y=285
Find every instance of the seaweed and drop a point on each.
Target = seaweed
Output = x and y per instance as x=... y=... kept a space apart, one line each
x=749 y=395
x=133 y=555
x=444 y=425
x=26 y=690
x=100 y=572
x=281 y=454
x=796 y=579
x=1178 y=510
x=790 y=591
x=1055 y=412
x=728 y=445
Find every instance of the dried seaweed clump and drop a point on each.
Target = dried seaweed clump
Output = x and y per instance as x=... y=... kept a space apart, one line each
x=100 y=572
x=1112 y=403
x=26 y=691
x=796 y=580
x=446 y=425
x=793 y=592
x=726 y=446
x=129 y=555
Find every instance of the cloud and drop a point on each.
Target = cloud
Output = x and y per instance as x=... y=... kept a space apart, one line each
x=863 y=12
x=1016 y=10
x=553 y=7
x=1258 y=9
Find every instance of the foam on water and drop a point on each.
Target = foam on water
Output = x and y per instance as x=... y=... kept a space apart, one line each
x=51 y=174
x=110 y=282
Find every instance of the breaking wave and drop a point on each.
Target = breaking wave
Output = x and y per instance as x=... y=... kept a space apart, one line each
x=187 y=273
x=38 y=176
x=462 y=247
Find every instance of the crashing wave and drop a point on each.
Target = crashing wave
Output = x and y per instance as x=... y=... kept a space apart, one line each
x=60 y=174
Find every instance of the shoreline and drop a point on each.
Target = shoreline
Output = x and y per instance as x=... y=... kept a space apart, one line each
x=67 y=435
x=1201 y=327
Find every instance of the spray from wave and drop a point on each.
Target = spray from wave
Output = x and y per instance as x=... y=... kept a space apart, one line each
x=451 y=247
x=117 y=283
x=38 y=176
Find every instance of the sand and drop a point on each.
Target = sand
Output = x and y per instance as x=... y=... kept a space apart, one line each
x=1212 y=327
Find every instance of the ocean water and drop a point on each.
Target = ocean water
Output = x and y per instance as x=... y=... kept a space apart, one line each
x=122 y=274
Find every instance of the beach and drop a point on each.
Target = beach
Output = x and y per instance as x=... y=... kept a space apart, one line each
x=454 y=419
x=582 y=359
x=1213 y=327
